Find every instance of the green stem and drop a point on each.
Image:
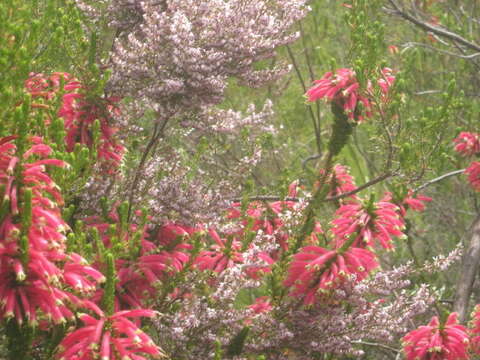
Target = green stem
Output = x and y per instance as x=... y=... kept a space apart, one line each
x=19 y=341
x=341 y=130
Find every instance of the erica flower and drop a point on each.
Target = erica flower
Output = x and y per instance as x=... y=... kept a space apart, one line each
x=113 y=337
x=79 y=115
x=264 y=217
x=79 y=275
x=475 y=329
x=25 y=292
x=257 y=271
x=467 y=143
x=261 y=305
x=315 y=269
x=386 y=80
x=343 y=89
x=341 y=181
x=369 y=222
x=473 y=172
x=437 y=342
x=415 y=202
x=221 y=256
x=32 y=238
x=149 y=257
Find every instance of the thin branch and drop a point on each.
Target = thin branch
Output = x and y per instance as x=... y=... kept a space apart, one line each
x=434 y=29
x=361 y=187
x=329 y=198
x=427 y=92
x=438 y=179
x=310 y=158
x=312 y=115
x=445 y=52
x=386 y=347
x=156 y=135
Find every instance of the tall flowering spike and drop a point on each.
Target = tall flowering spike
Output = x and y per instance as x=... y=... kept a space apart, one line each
x=467 y=143
x=315 y=269
x=32 y=248
x=79 y=115
x=369 y=223
x=109 y=337
x=473 y=172
x=437 y=341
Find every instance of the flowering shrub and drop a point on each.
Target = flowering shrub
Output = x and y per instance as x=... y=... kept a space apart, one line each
x=113 y=254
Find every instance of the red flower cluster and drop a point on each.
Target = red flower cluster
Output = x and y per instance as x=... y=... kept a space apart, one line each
x=140 y=274
x=79 y=114
x=368 y=223
x=436 y=341
x=341 y=181
x=32 y=240
x=221 y=256
x=473 y=172
x=108 y=337
x=315 y=269
x=343 y=89
x=415 y=202
x=468 y=145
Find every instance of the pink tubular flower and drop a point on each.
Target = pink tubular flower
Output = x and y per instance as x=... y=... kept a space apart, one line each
x=315 y=269
x=437 y=342
x=368 y=223
x=341 y=181
x=257 y=271
x=415 y=202
x=343 y=89
x=162 y=252
x=265 y=217
x=261 y=305
x=473 y=172
x=386 y=81
x=108 y=337
x=78 y=114
x=222 y=255
x=475 y=330
x=30 y=274
x=467 y=143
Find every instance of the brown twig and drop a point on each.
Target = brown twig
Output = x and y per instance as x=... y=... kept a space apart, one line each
x=438 y=179
x=434 y=29
x=156 y=135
